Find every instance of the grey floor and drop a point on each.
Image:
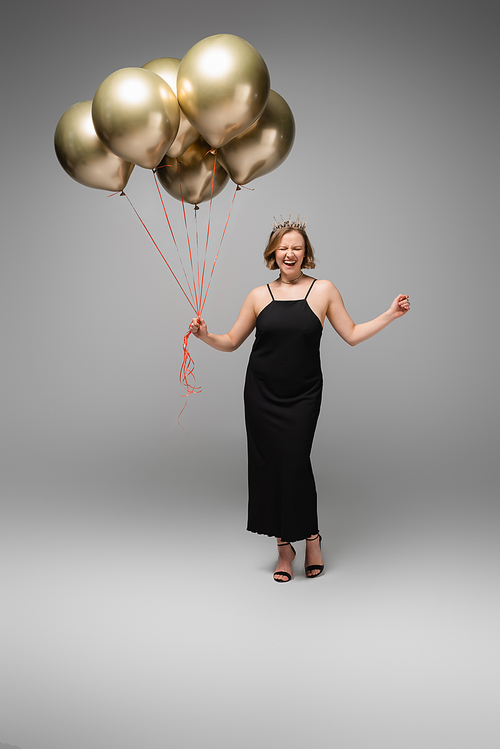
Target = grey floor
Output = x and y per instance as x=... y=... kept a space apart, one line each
x=138 y=616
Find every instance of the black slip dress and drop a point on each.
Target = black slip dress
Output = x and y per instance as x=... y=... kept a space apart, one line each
x=282 y=396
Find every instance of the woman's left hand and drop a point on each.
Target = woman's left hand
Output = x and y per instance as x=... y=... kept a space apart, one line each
x=400 y=306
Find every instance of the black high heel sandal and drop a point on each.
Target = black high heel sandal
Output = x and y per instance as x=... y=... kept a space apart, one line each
x=280 y=572
x=313 y=567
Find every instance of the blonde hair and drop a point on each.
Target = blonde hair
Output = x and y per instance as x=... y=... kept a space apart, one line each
x=274 y=241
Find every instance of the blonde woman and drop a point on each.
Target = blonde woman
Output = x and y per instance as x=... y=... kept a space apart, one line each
x=283 y=389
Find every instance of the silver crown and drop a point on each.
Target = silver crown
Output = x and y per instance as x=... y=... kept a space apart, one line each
x=289 y=224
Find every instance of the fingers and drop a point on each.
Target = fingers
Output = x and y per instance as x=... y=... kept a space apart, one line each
x=404 y=302
x=195 y=325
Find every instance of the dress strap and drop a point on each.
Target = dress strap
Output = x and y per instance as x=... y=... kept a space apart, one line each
x=310 y=287
x=272 y=292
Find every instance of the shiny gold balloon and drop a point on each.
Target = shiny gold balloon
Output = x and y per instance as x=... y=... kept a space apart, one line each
x=166 y=68
x=83 y=156
x=264 y=146
x=193 y=173
x=136 y=115
x=222 y=87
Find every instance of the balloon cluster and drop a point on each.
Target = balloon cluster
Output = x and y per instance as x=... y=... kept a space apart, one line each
x=198 y=121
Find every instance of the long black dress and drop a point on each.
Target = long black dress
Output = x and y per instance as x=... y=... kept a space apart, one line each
x=283 y=389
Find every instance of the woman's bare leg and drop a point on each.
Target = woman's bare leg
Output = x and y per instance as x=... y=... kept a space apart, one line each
x=313 y=554
x=286 y=555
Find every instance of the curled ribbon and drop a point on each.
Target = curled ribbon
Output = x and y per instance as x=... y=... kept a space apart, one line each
x=195 y=291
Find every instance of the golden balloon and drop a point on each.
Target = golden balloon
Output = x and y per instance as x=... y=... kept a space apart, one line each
x=264 y=146
x=83 y=156
x=192 y=174
x=222 y=87
x=166 y=68
x=136 y=115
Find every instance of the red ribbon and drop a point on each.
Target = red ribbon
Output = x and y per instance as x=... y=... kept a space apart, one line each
x=196 y=293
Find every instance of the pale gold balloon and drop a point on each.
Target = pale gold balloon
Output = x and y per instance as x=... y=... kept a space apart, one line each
x=222 y=87
x=264 y=146
x=166 y=68
x=136 y=115
x=193 y=173
x=83 y=156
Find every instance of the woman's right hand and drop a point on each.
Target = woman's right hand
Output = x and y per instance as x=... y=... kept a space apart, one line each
x=198 y=327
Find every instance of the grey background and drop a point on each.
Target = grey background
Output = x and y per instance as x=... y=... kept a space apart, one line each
x=136 y=610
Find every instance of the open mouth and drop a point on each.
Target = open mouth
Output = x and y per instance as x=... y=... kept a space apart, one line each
x=289 y=263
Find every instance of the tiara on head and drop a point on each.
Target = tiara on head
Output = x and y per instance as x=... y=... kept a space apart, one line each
x=289 y=224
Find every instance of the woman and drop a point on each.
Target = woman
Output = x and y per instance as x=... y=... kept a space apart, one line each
x=283 y=389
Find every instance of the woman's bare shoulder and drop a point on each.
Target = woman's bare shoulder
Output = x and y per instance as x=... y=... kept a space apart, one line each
x=326 y=287
x=260 y=292
x=257 y=299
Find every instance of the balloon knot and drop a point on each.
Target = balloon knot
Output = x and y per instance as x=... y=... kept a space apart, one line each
x=197 y=208
x=238 y=187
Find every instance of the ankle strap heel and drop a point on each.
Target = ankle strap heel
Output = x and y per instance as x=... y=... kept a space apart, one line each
x=281 y=572
x=314 y=570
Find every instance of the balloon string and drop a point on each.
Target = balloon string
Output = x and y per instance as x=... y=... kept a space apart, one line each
x=173 y=238
x=187 y=369
x=208 y=230
x=161 y=253
x=211 y=197
x=238 y=188
x=197 y=303
x=197 y=248
x=186 y=376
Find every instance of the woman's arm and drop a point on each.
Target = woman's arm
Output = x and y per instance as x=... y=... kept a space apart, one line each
x=238 y=333
x=354 y=334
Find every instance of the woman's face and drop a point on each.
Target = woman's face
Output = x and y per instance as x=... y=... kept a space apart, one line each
x=290 y=254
